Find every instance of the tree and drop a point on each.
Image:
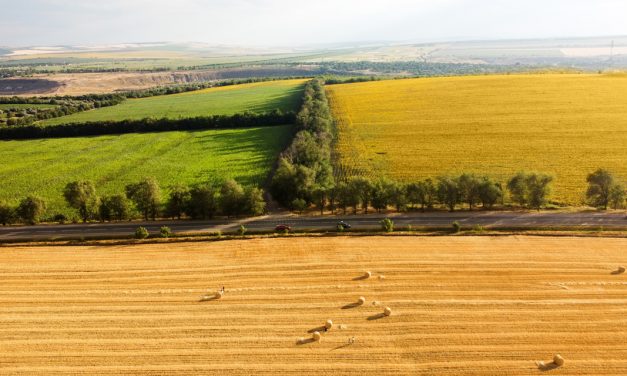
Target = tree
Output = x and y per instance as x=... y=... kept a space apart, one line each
x=7 y=213
x=31 y=209
x=254 y=201
x=423 y=193
x=346 y=197
x=147 y=197
x=362 y=189
x=600 y=185
x=332 y=198
x=81 y=195
x=381 y=196
x=617 y=196
x=177 y=201
x=517 y=187
x=291 y=181
x=468 y=186
x=299 y=205
x=203 y=202
x=538 y=186
x=530 y=189
x=114 y=207
x=320 y=198
x=232 y=198
x=489 y=192
x=448 y=192
x=399 y=196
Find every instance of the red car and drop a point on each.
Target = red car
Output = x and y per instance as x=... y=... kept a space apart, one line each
x=283 y=228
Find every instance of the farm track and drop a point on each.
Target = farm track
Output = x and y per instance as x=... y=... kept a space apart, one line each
x=461 y=306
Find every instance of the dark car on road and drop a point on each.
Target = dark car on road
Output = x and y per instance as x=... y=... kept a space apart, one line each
x=343 y=225
x=283 y=228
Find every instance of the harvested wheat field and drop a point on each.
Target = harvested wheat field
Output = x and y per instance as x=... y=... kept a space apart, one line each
x=458 y=306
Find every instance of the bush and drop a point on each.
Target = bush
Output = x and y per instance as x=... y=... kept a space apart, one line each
x=141 y=233
x=478 y=228
x=456 y=227
x=59 y=218
x=387 y=225
x=31 y=209
x=165 y=232
x=242 y=230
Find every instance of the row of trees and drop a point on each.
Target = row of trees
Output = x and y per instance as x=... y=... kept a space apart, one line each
x=305 y=166
x=66 y=105
x=244 y=120
x=202 y=201
x=527 y=190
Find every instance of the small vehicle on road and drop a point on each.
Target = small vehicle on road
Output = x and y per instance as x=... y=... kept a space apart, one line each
x=283 y=228
x=341 y=225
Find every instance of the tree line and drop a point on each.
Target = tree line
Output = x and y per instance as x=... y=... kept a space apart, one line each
x=63 y=106
x=304 y=168
x=243 y=120
x=451 y=192
x=524 y=190
x=206 y=200
x=143 y=199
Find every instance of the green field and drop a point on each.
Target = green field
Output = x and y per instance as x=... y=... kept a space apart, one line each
x=44 y=167
x=227 y=100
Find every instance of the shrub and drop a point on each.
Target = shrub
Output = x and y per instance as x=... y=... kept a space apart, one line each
x=141 y=233
x=242 y=230
x=456 y=227
x=7 y=213
x=60 y=218
x=165 y=232
x=478 y=228
x=31 y=209
x=299 y=205
x=387 y=225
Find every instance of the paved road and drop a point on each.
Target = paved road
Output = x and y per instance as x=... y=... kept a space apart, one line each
x=521 y=220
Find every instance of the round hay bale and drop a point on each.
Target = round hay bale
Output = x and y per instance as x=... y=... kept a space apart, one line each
x=367 y=275
x=621 y=269
x=219 y=295
x=316 y=336
x=558 y=360
x=387 y=311
x=328 y=324
x=361 y=300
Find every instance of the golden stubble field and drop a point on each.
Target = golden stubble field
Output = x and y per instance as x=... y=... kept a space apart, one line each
x=460 y=306
x=566 y=125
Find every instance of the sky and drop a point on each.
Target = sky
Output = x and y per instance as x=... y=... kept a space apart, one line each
x=282 y=23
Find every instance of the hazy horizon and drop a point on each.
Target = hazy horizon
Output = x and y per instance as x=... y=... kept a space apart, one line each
x=283 y=23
